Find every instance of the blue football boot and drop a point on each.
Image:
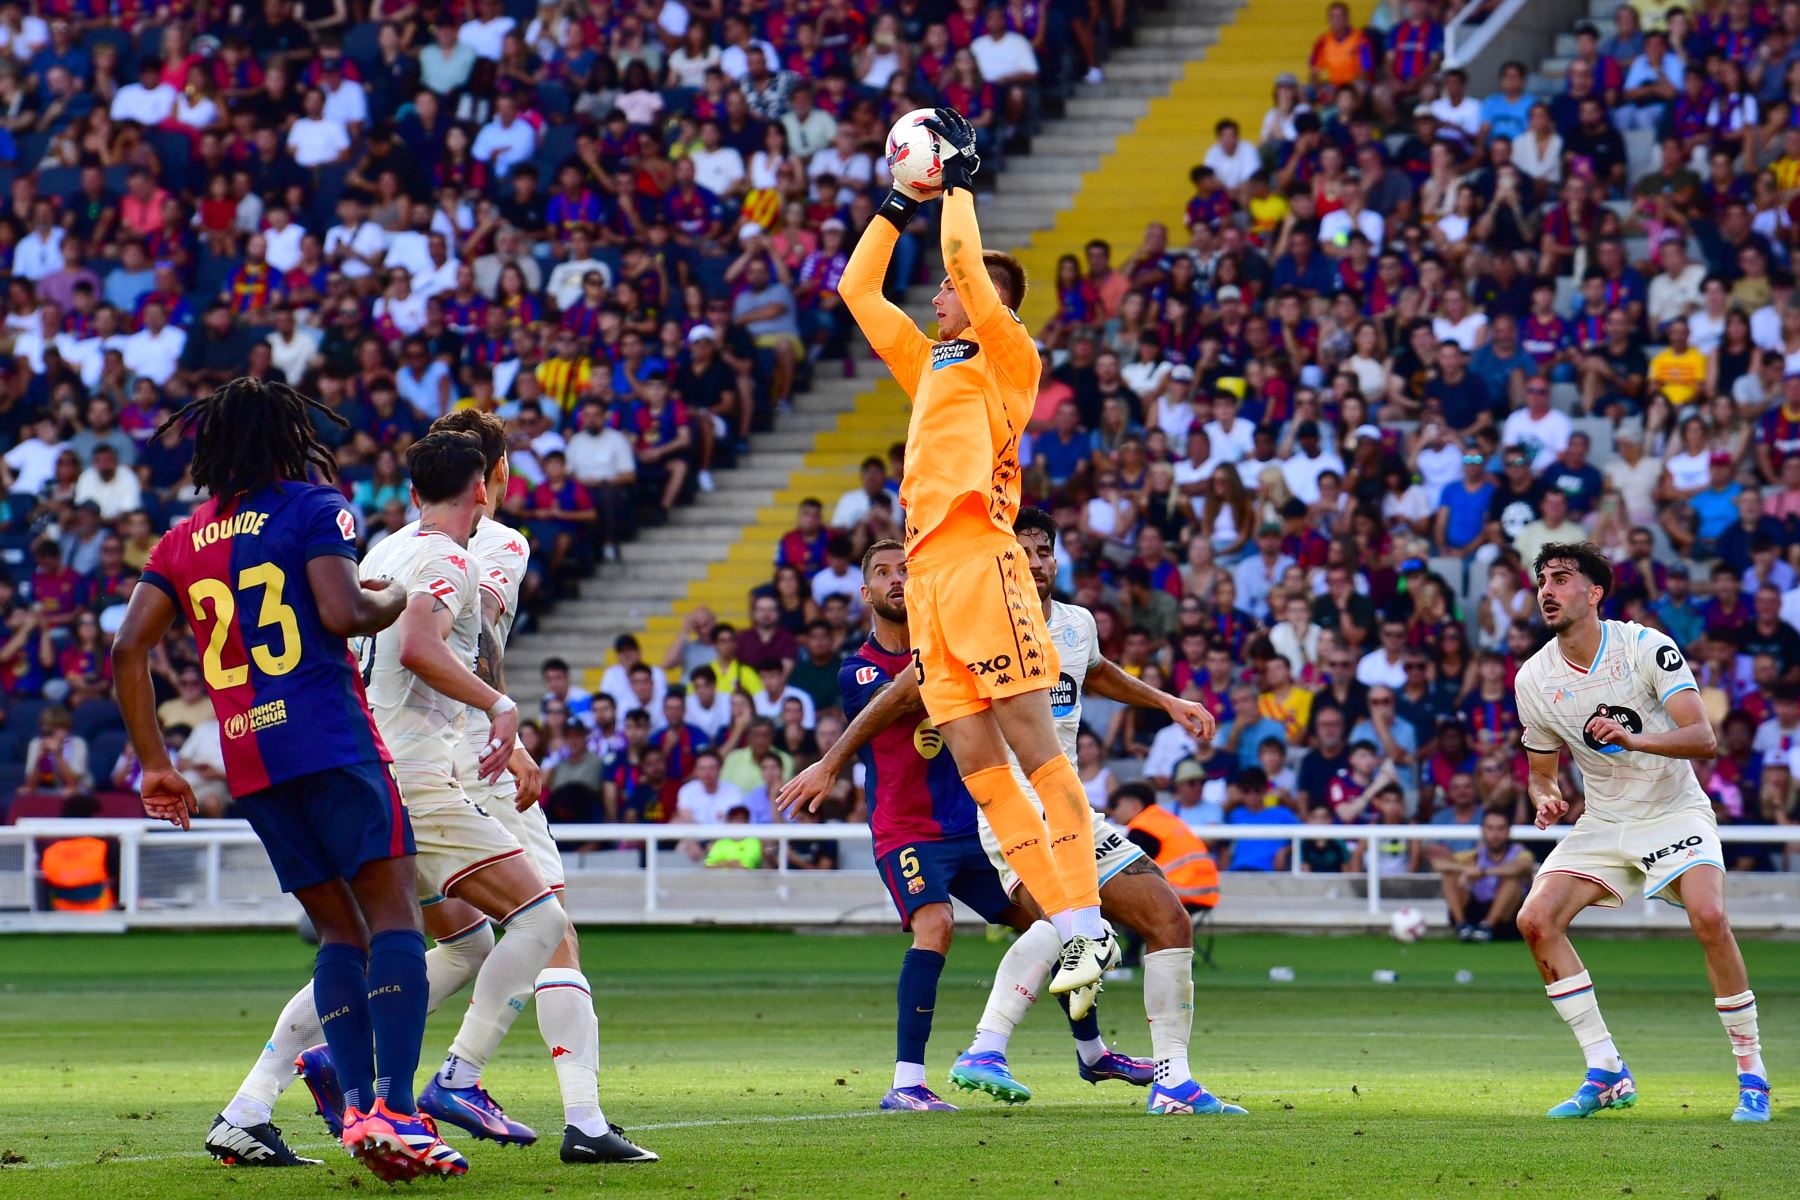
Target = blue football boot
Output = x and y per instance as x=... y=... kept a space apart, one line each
x=1113 y=1065
x=914 y=1099
x=1753 y=1099
x=1601 y=1089
x=988 y=1072
x=1189 y=1099
x=472 y=1109
x=315 y=1069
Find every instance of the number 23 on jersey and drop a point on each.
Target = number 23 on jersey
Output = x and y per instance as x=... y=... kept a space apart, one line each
x=278 y=654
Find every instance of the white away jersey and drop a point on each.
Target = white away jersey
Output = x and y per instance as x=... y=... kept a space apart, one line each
x=1077 y=641
x=419 y=725
x=501 y=556
x=1636 y=671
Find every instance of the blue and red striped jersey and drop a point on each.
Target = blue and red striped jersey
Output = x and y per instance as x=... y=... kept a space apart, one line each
x=286 y=691
x=915 y=792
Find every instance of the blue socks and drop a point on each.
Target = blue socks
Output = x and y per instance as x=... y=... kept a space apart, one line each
x=341 y=994
x=1088 y=1028
x=397 y=991
x=918 y=998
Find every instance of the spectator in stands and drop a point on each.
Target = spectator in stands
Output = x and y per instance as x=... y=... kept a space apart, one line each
x=1485 y=886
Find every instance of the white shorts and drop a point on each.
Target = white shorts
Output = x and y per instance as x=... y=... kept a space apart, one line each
x=1113 y=851
x=1624 y=856
x=531 y=827
x=454 y=835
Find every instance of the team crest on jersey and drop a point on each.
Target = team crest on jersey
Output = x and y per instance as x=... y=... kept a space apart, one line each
x=346 y=524
x=915 y=885
x=867 y=675
x=948 y=354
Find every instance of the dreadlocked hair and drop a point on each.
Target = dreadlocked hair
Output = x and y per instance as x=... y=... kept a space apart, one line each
x=249 y=434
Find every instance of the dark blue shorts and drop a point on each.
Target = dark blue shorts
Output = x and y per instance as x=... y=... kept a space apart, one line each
x=922 y=873
x=329 y=824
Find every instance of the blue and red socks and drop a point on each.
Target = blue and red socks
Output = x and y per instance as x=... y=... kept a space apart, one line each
x=398 y=989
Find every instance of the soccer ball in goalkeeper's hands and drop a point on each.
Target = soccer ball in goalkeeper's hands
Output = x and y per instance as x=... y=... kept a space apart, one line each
x=915 y=156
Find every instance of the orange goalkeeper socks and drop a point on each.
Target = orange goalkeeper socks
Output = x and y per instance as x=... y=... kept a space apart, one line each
x=1070 y=822
x=1024 y=841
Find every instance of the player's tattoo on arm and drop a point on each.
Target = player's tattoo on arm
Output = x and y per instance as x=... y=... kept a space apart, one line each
x=1141 y=866
x=490 y=649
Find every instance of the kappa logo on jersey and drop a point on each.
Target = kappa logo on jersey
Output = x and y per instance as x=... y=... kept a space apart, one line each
x=346 y=524
x=1617 y=712
x=948 y=354
x=1687 y=843
x=461 y=564
x=514 y=547
x=867 y=675
x=1062 y=696
x=1668 y=658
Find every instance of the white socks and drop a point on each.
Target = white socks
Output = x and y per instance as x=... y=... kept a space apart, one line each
x=1018 y=981
x=1738 y=1015
x=1169 y=1007
x=455 y=960
x=1576 y=1005
x=1064 y=923
x=532 y=936
x=297 y=1029
x=909 y=1075
x=1087 y=923
x=565 y=1016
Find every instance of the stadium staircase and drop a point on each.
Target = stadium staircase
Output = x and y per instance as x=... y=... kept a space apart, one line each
x=1116 y=159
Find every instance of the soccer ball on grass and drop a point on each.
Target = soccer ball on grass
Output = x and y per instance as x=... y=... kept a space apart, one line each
x=1407 y=924
x=915 y=156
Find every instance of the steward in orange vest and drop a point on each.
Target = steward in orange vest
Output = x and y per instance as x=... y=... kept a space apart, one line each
x=1185 y=861
x=75 y=870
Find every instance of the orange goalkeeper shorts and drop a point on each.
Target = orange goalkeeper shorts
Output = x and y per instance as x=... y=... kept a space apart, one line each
x=977 y=626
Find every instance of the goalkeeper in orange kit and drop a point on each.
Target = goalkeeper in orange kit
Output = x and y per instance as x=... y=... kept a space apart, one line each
x=984 y=660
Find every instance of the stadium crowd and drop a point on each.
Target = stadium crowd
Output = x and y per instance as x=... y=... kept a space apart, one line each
x=1303 y=450
x=619 y=225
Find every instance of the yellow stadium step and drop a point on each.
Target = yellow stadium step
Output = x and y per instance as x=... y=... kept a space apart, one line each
x=1144 y=178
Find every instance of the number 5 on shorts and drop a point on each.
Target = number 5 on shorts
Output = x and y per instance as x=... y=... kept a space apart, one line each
x=909 y=863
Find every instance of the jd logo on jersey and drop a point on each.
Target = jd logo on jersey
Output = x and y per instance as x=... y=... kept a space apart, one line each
x=1617 y=712
x=948 y=354
x=1668 y=658
x=1062 y=696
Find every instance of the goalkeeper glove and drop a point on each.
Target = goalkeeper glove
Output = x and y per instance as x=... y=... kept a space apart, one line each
x=899 y=209
x=957 y=136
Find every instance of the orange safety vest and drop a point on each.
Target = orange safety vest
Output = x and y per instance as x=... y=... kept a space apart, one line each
x=75 y=869
x=1183 y=856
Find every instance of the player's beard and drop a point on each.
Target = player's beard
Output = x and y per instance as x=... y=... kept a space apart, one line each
x=895 y=612
x=1563 y=621
x=1043 y=589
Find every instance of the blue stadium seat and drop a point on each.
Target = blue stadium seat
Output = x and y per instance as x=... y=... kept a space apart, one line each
x=362 y=45
x=93 y=717
x=104 y=749
x=12 y=776
x=210 y=277
x=60 y=182
x=553 y=101
x=173 y=151
x=557 y=144
x=31 y=149
x=117 y=39
x=22 y=717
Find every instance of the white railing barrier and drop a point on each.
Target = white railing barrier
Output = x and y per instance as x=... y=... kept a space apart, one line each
x=209 y=842
x=1465 y=38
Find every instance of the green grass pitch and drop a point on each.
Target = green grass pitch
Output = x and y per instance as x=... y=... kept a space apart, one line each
x=753 y=1063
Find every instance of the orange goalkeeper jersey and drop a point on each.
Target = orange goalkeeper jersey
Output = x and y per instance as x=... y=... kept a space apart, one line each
x=971 y=395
